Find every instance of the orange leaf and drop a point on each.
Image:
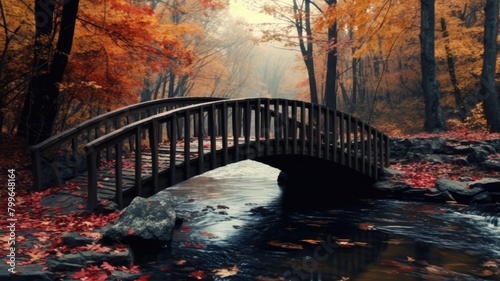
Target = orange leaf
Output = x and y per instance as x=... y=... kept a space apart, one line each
x=285 y=245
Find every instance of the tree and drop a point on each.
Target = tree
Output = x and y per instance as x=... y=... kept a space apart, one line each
x=331 y=65
x=41 y=101
x=487 y=92
x=450 y=60
x=433 y=112
x=303 y=25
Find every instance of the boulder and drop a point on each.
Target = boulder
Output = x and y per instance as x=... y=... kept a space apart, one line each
x=489 y=184
x=74 y=239
x=27 y=273
x=388 y=173
x=491 y=165
x=459 y=190
x=144 y=220
x=72 y=262
x=391 y=186
x=478 y=156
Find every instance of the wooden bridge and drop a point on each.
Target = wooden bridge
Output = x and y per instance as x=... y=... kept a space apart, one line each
x=141 y=149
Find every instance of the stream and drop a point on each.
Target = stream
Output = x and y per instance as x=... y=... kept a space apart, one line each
x=239 y=225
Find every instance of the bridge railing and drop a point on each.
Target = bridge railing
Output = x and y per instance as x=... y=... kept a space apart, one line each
x=208 y=135
x=64 y=152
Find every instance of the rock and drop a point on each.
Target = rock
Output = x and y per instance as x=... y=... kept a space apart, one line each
x=489 y=184
x=458 y=190
x=481 y=198
x=488 y=148
x=439 y=196
x=388 y=173
x=27 y=273
x=491 y=165
x=124 y=276
x=495 y=143
x=437 y=144
x=74 y=239
x=71 y=262
x=391 y=186
x=58 y=168
x=461 y=149
x=145 y=219
x=460 y=161
x=415 y=194
x=478 y=156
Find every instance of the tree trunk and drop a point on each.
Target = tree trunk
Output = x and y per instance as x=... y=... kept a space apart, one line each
x=41 y=102
x=331 y=65
x=306 y=45
x=433 y=114
x=487 y=92
x=451 y=70
x=171 y=84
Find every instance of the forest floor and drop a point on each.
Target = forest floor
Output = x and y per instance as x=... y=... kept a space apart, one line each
x=39 y=222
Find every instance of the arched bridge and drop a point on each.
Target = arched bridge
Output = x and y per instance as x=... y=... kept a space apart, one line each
x=141 y=149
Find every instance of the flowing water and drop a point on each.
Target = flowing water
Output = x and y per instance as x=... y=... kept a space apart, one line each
x=239 y=225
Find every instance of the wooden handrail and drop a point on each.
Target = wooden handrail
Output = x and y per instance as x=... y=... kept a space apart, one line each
x=94 y=126
x=259 y=127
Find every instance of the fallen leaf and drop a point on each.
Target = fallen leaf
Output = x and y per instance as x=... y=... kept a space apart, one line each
x=192 y=245
x=209 y=235
x=197 y=274
x=311 y=241
x=181 y=262
x=366 y=226
x=108 y=267
x=93 y=235
x=361 y=244
x=490 y=263
x=224 y=272
x=285 y=245
x=131 y=232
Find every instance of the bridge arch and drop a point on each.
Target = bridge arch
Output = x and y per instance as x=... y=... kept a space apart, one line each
x=166 y=148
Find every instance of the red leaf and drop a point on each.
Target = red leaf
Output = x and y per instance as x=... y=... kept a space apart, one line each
x=108 y=267
x=197 y=274
x=131 y=232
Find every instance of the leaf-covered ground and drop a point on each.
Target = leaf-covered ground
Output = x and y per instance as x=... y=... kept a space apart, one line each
x=424 y=174
x=39 y=226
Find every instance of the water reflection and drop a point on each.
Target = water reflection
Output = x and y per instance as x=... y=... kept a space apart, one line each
x=238 y=217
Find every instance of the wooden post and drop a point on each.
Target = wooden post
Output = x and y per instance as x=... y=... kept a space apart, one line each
x=173 y=147
x=153 y=144
x=119 y=174
x=92 y=180
x=138 y=161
